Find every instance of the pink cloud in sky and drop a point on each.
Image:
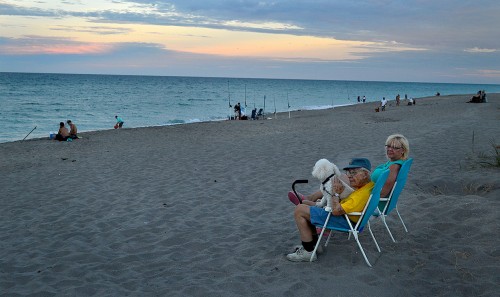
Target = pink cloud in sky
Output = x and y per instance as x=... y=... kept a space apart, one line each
x=49 y=47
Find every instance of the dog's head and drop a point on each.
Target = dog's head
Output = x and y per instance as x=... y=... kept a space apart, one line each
x=323 y=168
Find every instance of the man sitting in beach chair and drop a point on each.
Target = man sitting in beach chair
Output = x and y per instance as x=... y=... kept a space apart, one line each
x=260 y=113
x=254 y=114
x=306 y=217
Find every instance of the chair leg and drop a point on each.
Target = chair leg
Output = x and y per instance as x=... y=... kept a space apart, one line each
x=382 y=217
x=320 y=236
x=361 y=249
x=316 y=248
x=328 y=239
x=373 y=237
x=397 y=211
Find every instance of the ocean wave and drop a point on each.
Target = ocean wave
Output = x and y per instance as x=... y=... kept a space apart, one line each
x=320 y=107
x=175 y=122
x=200 y=99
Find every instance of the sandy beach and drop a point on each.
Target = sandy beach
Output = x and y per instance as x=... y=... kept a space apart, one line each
x=202 y=210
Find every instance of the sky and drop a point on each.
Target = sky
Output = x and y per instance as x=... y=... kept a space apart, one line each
x=368 y=40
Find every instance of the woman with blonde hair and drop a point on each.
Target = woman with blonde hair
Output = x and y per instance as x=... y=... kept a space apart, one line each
x=397 y=149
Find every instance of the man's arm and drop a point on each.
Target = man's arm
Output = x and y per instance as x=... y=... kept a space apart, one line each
x=337 y=209
x=337 y=187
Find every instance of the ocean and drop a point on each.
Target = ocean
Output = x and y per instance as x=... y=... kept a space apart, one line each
x=42 y=100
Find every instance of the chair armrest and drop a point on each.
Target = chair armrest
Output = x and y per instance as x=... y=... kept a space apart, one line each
x=354 y=214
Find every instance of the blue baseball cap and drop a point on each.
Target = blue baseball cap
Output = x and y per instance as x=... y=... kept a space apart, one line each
x=359 y=163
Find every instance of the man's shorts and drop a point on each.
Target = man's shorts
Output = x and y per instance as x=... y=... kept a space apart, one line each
x=319 y=215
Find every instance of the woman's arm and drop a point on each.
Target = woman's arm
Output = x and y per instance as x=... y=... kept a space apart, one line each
x=391 y=179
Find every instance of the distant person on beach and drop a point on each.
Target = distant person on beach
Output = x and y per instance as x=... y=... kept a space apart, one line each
x=359 y=99
x=358 y=172
x=398 y=99
x=73 y=131
x=480 y=97
x=63 y=133
x=383 y=103
x=237 y=111
x=364 y=99
x=119 y=122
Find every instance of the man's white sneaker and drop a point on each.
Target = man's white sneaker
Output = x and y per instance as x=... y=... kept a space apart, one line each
x=319 y=251
x=300 y=255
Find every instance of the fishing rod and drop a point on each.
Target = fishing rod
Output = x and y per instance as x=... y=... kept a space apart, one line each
x=288 y=100
x=29 y=133
x=264 y=105
x=228 y=95
x=347 y=86
x=229 y=100
x=275 y=114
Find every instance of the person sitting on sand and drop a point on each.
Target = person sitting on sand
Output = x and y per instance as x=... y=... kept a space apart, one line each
x=62 y=134
x=73 y=131
x=397 y=150
x=358 y=172
x=480 y=97
x=483 y=98
x=119 y=122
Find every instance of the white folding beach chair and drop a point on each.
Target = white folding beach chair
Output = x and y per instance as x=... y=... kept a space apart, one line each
x=386 y=205
x=364 y=219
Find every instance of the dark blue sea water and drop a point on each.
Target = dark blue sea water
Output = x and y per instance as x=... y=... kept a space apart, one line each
x=92 y=101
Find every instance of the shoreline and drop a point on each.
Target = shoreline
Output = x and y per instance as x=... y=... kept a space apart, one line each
x=272 y=116
x=201 y=209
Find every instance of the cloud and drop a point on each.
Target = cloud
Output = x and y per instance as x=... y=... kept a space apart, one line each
x=154 y=59
x=479 y=50
x=101 y=30
x=493 y=73
x=37 y=45
x=15 y=10
x=418 y=23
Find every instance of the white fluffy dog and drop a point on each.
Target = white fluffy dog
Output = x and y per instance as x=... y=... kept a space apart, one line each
x=325 y=171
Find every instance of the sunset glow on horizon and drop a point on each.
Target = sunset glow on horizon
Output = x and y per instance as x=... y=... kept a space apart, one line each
x=266 y=31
